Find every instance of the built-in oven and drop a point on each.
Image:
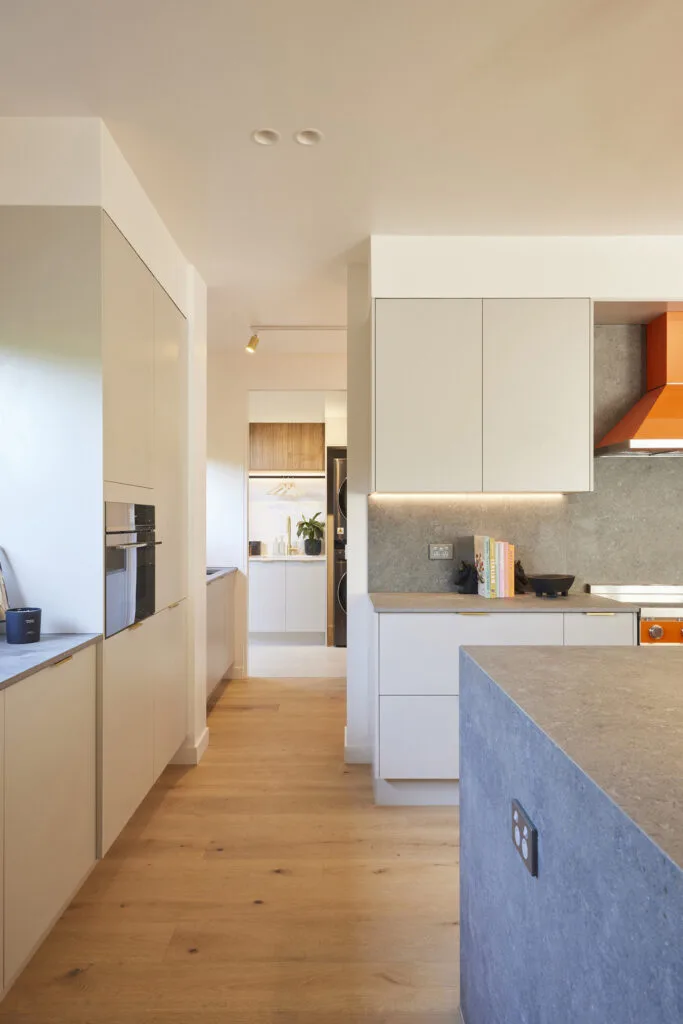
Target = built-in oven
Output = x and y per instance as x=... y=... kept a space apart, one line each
x=130 y=564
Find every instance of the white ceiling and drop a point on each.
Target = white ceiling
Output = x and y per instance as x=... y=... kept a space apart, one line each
x=440 y=117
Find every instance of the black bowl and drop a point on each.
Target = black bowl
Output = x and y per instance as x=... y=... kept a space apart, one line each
x=553 y=584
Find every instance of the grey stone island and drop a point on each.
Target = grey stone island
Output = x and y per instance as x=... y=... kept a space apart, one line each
x=20 y=660
x=589 y=741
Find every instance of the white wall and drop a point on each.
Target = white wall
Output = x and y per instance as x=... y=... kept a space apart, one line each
x=231 y=376
x=599 y=268
x=286 y=406
x=359 y=611
x=268 y=512
x=74 y=161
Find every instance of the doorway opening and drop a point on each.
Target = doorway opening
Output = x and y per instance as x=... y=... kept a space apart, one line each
x=296 y=514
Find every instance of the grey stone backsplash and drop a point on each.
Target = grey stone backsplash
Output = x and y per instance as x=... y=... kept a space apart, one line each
x=628 y=530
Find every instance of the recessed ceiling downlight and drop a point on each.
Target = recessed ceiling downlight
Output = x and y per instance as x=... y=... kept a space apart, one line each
x=266 y=136
x=308 y=137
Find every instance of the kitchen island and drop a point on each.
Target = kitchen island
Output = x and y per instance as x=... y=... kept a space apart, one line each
x=590 y=742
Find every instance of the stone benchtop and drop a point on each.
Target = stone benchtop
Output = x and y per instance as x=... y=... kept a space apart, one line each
x=407 y=602
x=617 y=712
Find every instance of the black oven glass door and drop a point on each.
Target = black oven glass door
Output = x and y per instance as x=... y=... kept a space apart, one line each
x=130 y=572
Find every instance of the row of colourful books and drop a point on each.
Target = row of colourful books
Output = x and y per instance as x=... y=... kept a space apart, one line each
x=494 y=561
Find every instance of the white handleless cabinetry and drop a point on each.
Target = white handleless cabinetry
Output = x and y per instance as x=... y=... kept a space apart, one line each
x=220 y=629
x=168 y=633
x=600 y=630
x=267 y=597
x=305 y=597
x=50 y=799
x=419 y=737
x=127 y=726
x=420 y=653
x=170 y=444
x=127 y=361
x=428 y=395
x=537 y=418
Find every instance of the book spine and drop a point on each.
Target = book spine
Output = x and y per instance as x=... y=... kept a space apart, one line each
x=493 y=583
x=511 y=570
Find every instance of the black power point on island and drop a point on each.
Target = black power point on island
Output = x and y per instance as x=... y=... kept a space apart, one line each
x=525 y=838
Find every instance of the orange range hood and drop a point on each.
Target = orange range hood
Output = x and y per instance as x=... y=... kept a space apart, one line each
x=654 y=426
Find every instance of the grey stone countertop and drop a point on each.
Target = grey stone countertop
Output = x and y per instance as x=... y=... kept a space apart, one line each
x=20 y=660
x=217 y=572
x=617 y=712
x=472 y=603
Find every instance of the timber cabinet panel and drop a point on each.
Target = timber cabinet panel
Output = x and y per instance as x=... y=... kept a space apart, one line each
x=287 y=446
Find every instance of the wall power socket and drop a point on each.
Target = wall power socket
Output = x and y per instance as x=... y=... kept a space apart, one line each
x=439 y=552
x=525 y=838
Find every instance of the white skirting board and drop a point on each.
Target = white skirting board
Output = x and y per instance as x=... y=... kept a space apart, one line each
x=192 y=753
x=359 y=754
x=416 y=793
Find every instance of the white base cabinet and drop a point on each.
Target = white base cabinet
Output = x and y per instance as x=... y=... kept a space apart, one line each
x=220 y=630
x=417 y=725
x=143 y=710
x=288 y=597
x=50 y=799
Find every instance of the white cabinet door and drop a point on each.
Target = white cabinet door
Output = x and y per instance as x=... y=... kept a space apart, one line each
x=603 y=629
x=168 y=634
x=267 y=597
x=420 y=653
x=230 y=626
x=216 y=632
x=127 y=361
x=428 y=395
x=419 y=738
x=50 y=798
x=127 y=726
x=170 y=443
x=306 y=597
x=537 y=417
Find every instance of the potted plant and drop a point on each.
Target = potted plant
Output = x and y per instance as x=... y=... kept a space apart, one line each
x=313 y=532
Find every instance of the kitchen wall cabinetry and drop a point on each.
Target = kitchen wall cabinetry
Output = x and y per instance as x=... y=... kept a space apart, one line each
x=418 y=676
x=169 y=678
x=127 y=361
x=144 y=695
x=428 y=395
x=288 y=596
x=170 y=448
x=538 y=416
x=220 y=629
x=287 y=446
x=49 y=798
x=491 y=395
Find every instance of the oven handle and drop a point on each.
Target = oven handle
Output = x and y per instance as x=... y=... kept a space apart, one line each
x=140 y=544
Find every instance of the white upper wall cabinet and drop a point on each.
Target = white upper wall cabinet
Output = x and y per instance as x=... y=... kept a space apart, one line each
x=537 y=423
x=128 y=361
x=428 y=395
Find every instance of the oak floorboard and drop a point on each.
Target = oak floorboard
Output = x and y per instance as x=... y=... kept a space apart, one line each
x=262 y=886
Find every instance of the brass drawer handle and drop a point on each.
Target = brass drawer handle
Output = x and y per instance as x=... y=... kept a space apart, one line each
x=63 y=661
x=473 y=613
x=136 y=625
x=604 y=615
x=176 y=604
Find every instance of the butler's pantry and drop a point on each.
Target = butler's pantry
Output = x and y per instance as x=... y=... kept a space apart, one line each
x=297 y=533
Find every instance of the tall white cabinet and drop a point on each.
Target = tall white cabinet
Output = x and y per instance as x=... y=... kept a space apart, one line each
x=127 y=361
x=482 y=395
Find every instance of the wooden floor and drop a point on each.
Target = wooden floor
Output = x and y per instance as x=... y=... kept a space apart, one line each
x=262 y=886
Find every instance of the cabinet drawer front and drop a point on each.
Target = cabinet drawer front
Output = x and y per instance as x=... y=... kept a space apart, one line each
x=306 y=594
x=600 y=630
x=420 y=653
x=419 y=738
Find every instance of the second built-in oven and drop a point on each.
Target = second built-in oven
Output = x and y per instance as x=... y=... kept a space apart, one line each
x=130 y=564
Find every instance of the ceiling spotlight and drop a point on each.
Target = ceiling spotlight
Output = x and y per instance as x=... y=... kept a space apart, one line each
x=265 y=136
x=253 y=342
x=308 y=137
